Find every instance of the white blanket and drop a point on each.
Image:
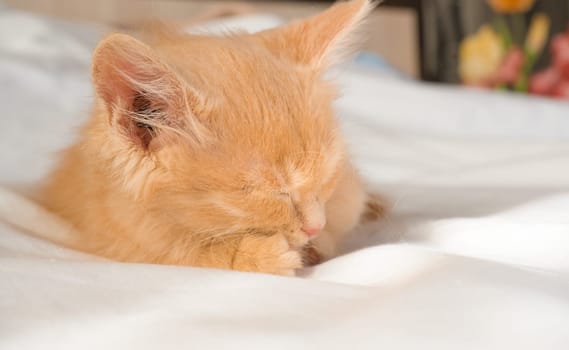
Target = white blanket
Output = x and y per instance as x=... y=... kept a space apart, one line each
x=474 y=256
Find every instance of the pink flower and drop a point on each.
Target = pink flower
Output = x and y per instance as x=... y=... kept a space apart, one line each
x=560 y=54
x=554 y=81
x=543 y=83
x=510 y=68
x=561 y=91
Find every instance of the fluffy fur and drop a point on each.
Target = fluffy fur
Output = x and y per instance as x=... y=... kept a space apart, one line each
x=214 y=151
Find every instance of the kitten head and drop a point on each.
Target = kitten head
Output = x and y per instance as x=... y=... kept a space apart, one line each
x=222 y=135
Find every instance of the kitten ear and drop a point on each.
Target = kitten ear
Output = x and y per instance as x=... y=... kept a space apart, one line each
x=141 y=93
x=322 y=40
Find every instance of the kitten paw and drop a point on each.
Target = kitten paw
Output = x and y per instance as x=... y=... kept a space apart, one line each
x=311 y=256
x=272 y=254
x=375 y=208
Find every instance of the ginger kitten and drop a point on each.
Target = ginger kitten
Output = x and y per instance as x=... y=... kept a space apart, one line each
x=214 y=151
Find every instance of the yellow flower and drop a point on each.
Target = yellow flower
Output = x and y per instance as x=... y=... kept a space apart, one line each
x=480 y=56
x=538 y=33
x=510 y=6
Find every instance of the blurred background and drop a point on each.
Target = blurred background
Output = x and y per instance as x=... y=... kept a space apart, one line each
x=395 y=32
x=516 y=45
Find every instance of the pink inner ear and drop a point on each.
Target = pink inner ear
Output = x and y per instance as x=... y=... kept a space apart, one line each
x=141 y=135
x=140 y=123
x=109 y=83
x=132 y=82
x=124 y=67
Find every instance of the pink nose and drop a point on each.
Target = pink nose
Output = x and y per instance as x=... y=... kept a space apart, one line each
x=311 y=231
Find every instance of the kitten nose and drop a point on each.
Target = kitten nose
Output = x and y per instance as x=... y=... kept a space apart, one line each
x=311 y=230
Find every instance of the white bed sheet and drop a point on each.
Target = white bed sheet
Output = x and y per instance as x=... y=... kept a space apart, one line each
x=474 y=256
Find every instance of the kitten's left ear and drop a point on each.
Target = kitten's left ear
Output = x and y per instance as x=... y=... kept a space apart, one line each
x=322 y=40
x=142 y=94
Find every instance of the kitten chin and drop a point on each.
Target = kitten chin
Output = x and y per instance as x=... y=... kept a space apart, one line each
x=215 y=151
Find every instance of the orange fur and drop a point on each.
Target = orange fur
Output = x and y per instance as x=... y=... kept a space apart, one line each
x=213 y=151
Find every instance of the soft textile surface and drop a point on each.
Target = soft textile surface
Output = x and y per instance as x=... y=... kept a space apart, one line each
x=474 y=256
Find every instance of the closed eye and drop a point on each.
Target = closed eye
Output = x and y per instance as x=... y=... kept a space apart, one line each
x=246 y=188
x=284 y=195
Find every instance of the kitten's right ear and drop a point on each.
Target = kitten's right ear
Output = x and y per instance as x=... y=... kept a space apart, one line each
x=141 y=93
x=322 y=40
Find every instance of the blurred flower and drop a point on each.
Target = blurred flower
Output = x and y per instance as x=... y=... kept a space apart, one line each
x=537 y=34
x=544 y=82
x=554 y=81
x=510 y=68
x=560 y=54
x=480 y=56
x=561 y=91
x=510 y=6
